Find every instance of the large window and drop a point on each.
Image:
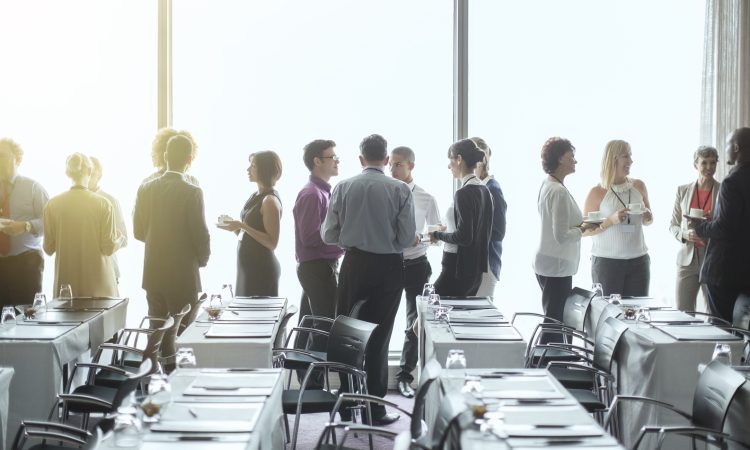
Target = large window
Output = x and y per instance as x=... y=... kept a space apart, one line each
x=78 y=77
x=252 y=76
x=590 y=71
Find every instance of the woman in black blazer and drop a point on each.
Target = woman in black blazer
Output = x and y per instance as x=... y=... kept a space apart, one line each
x=462 y=272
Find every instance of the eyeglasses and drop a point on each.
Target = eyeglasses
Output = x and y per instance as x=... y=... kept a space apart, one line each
x=335 y=158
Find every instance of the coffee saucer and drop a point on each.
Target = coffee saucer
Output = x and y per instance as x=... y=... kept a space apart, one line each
x=687 y=216
x=593 y=221
x=634 y=213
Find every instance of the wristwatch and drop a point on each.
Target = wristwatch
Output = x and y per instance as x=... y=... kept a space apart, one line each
x=28 y=227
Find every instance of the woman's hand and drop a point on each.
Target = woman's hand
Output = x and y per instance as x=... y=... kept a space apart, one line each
x=231 y=225
x=616 y=217
x=648 y=217
x=692 y=236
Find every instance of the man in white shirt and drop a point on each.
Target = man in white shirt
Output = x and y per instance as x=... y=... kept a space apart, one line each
x=417 y=270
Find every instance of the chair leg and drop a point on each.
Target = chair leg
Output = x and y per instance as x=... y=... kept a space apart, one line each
x=286 y=427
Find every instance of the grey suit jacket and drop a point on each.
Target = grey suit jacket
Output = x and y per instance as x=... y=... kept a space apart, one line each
x=678 y=226
x=169 y=219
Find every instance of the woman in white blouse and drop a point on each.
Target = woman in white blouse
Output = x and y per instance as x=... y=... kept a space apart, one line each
x=620 y=260
x=562 y=227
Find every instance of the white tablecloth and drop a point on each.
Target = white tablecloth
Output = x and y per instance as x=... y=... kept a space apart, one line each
x=267 y=434
x=6 y=374
x=651 y=363
x=38 y=364
x=227 y=352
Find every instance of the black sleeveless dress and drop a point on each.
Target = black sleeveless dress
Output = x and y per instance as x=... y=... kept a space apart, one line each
x=258 y=269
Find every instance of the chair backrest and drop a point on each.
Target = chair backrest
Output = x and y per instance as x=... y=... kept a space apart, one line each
x=741 y=312
x=153 y=344
x=291 y=310
x=576 y=306
x=168 y=347
x=429 y=374
x=717 y=386
x=131 y=382
x=451 y=406
x=608 y=336
x=348 y=341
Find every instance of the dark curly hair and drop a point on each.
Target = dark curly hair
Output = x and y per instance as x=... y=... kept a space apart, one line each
x=552 y=151
x=468 y=151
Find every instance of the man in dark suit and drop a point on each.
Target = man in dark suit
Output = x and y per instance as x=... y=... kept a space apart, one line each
x=169 y=219
x=726 y=268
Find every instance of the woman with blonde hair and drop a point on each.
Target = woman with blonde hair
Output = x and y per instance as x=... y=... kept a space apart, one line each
x=79 y=227
x=620 y=260
x=258 y=270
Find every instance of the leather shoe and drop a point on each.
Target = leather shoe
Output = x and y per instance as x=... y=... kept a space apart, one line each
x=405 y=389
x=386 y=419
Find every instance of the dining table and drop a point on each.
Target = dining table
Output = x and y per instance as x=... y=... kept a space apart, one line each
x=40 y=347
x=242 y=336
x=6 y=375
x=518 y=409
x=216 y=408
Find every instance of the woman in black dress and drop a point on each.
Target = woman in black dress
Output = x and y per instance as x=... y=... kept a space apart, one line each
x=258 y=269
x=462 y=271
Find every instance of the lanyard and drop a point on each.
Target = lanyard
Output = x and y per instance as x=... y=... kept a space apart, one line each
x=623 y=203
x=698 y=195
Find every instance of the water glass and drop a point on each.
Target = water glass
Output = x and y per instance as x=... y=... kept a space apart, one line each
x=159 y=395
x=615 y=299
x=472 y=384
x=597 y=289
x=442 y=313
x=456 y=359
x=227 y=291
x=66 y=294
x=215 y=300
x=428 y=289
x=8 y=314
x=185 y=358
x=433 y=299
x=127 y=427
x=643 y=315
x=40 y=302
x=723 y=354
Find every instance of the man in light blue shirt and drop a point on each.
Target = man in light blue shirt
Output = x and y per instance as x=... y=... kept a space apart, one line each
x=22 y=202
x=372 y=217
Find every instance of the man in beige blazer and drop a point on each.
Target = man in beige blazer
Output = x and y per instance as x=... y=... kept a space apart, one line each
x=700 y=194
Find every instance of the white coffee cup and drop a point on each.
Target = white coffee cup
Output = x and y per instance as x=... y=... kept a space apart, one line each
x=224 y=218
x=595 y=215
x=696 y=212
x=635 y=208
x=431 y=228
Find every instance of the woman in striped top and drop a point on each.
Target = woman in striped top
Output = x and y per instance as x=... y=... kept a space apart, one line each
x=620 y=260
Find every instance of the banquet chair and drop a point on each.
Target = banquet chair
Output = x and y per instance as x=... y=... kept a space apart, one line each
x=596 y=395
x=91 y=398
x=717 y=386
x=418 y=428
x=345 y=354
x=37 y=435
x=168 y=350
x=299 y=361
x=741 y=312
x=291 y=310
x=120 y=351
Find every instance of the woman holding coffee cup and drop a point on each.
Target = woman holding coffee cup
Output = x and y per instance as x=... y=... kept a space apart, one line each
x=559 y=249
x=620 y=260
x=461 y=273
x=695 y=199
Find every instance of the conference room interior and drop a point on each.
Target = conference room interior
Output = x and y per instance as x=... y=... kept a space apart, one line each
x=243 y=76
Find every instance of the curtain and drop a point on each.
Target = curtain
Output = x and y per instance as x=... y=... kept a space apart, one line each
x=725 y=99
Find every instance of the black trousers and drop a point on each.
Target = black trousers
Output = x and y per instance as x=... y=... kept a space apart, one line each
x=721 y=300
x=318 y=279
x=376 y=281
x=163 y=304
x=447 y=282
x=21 y=278
x=417 y=272
x=554 y=292
x=627 y=277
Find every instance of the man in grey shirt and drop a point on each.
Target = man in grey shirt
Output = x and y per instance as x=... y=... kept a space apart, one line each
x=372 y=217
x=22 y=202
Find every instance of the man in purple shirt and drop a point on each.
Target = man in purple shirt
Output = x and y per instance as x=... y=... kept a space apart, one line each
x=318 y=262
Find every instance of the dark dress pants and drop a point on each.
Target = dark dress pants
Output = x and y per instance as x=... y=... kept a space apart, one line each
x=721 y=300
x=417 y=272
x=318 y=279
x=21 y=278
x=450 y=285
x=554 y=292
x=627 y=277
x=373 y=282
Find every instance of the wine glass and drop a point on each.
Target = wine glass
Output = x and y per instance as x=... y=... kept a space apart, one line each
x=159 y=395
x=8 y=314
x=456 y=359
x=442 y=313
x=643 y=315
x=427 y=290
x=185 y=358
x=598 y=290
x=723 y=354
x=227 y=291
x=66 y=294
x=40 y=302
x=615 y=299
x=127 y=427
x=433 y=299
x=472 y=384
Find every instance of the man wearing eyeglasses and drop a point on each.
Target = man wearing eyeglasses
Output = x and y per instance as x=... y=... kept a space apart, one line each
x=372 y=216
x=318 y=262
x=417 y=268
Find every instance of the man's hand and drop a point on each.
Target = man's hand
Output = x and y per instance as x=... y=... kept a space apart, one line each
x=14 y=228
x=692 y=236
